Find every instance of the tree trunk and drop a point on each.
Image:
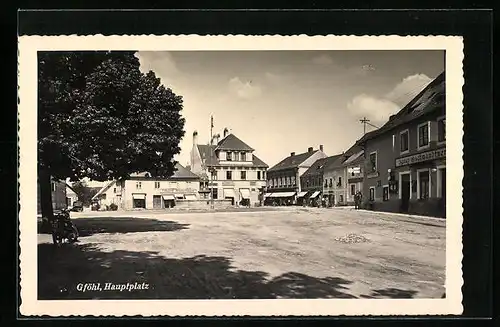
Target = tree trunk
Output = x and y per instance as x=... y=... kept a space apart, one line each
x=46 y=194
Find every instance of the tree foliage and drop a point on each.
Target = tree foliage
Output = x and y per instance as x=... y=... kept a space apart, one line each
x=100 y=117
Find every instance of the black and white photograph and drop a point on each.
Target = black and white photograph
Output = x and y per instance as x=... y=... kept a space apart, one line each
x=276 y=177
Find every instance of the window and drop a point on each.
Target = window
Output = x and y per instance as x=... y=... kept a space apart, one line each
x=373 y=161
x=294 y=182
x=326 y=182
x=353 y=189
x=243 y=175
x=385 y=193
x=441 y=130
x=423 y=135
x=236 y=156
x=243 y=156
x=258 y=174
x=341 y=198
x=289 y=181
x=114 y=190
x=404 y=141
x=103 y=196
x=331 y=182
x=423 y=185
x=229 y=156
x=138 y=185
x=264 y=174
x=340 y=181
x=214 y=174
x=214 y=194
x=229 y=175
x=372 y=193
x=157 y=184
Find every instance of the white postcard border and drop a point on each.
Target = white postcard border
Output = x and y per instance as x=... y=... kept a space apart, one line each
x=27 y=69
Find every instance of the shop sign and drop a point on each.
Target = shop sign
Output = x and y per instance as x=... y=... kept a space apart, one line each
x=421 y=157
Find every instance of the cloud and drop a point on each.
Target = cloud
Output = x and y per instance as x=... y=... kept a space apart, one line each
x=376 y=109
x=245 y=90
x=274 y=78
x=323 y=60
x=408 y=88
x=162 y=63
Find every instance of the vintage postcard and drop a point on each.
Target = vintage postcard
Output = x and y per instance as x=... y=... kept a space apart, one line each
x=240 y=175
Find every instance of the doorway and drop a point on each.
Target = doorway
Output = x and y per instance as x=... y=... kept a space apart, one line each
x=156 y=201
x=405 y=192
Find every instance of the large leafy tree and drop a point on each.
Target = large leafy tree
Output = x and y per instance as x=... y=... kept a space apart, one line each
x=100 y=117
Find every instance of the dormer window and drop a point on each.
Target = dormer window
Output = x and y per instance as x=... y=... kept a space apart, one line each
x=236 y=156
x=243 y=156
x=229 y=156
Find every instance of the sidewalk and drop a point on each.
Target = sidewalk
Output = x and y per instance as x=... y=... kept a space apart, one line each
x=406 y=215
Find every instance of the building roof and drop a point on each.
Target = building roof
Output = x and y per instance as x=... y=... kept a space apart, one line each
x=204 y=150
x=103 y=189
x=431 y=98
x=319 y=165
x=355 y=158
x=179 y=173
x=292 y=161
x=231 y=142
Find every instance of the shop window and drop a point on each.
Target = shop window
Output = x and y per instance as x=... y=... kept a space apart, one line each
x=372 y=194
x=441 y=130
x=243 y=175
x=385 y=193
x=353 y=189
x=373 y=161
x=424 y=185
x=423 y=135
x=157 y=184
x=138 y=185
x=404 y=141
x=229 y=175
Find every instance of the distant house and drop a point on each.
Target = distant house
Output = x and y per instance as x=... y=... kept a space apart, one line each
x=71 y=196
x=228 y=169
x=58 y=189
x=315 y=186
x=283 y=179
x=141 y=191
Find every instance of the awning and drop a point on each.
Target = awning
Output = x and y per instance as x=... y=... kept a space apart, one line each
x=283 y=194
x=190 y=197
x=268 y=195
x=179 y=196
x=229 y=193
x=301 y=194
x=138 y=196
x=315 y=194
x=245 y=193
x=168 y=197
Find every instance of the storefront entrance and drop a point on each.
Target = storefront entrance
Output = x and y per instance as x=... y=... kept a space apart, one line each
x=405 y=192
x=156 y=201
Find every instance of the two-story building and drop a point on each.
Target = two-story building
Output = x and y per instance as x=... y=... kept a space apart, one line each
x=405 y=159
x=142 y=191
x=314 y=186
x=283 y=179
x=335 y=179
x=229 y=168
x=354 y=169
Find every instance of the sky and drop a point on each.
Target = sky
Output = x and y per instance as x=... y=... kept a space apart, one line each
x=286 y=101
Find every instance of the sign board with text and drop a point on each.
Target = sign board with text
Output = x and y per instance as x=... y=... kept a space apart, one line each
x=421 y=157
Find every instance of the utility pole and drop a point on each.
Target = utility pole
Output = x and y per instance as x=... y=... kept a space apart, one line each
x=364 y=121
x=211 y=162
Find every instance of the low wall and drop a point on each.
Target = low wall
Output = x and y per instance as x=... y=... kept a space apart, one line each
x=201 y=204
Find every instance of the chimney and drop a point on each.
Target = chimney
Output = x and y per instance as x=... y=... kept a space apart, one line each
x=217 y=137
x=321 y=147
x=292 y=154
x=226 y=131
x=195 y=138
x=310 y=149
